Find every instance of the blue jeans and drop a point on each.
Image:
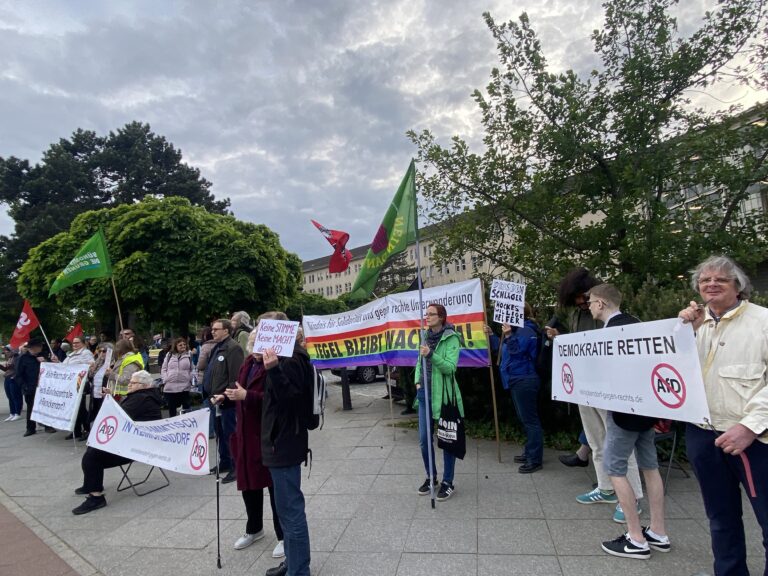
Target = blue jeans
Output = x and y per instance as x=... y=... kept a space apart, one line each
x=212 y=419
x=15 y=397
x=225 y=426
x=525 y=397
x=425 y=435
x=721 y=477
x=289 y=502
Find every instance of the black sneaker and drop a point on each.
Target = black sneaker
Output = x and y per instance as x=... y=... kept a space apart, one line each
x=280 y=570
x=424 y=488
x=446 y=491
x=81 y=491
x=622 y=546
x=91 y=503
x=656 y=543
x=529 y=468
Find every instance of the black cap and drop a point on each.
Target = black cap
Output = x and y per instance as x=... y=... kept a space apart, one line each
x=34 y=342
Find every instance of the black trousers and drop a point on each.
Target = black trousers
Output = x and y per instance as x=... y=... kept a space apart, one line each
x=94 y=463
x=254 y=508
x=176 y=399
x=29 y=398
x=81 y=422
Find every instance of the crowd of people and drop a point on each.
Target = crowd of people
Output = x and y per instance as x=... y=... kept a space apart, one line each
x=262 y=436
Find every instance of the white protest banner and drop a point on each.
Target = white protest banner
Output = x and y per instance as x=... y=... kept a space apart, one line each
x=98 y=377
x=58 y=394
x=386 y=331
x=509 y=300
x=279 y=335
x=179 y=444
x=649 y=369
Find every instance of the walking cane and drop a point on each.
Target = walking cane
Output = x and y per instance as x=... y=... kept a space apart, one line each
x=218 y=481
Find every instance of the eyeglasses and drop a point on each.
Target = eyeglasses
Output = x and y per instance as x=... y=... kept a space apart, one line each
x=720 y=280
x=134 y=382
x=217 y=329
x=590 y=302
x=431 y=314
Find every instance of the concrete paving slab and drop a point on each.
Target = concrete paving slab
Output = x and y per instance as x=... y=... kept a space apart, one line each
x=518 y=565
x=353 y=563
x=443 y=564
x=519 y=536
x=437 y=535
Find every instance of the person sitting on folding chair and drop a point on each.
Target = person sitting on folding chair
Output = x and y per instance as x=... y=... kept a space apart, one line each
x=141 y=403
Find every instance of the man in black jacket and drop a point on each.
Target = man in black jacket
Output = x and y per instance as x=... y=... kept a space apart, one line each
x=27 y=377
x=284 y=446
x=142 y=403
x=221 y=372
x=625 y=434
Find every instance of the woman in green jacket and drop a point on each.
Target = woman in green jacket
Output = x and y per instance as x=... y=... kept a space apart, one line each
x=440 y=351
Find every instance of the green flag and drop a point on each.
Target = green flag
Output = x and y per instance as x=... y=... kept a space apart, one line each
x=397 y=231
x=92 y=261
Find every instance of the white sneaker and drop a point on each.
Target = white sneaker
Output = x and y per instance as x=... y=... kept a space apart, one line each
x=247 y=539
x=279 y=551
x=15 y=417
x=9 y=418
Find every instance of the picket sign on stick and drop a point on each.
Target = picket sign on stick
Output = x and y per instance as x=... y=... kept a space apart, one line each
x=493 y=387
x=509 y=301
x=279 y=335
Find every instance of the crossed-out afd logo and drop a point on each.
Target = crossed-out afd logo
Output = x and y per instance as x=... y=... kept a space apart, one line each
x=566 y=375
x=668 y=385
x=199 y=454
x=106 y=430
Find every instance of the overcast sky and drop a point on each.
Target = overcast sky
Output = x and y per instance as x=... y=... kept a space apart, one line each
x=293 y=109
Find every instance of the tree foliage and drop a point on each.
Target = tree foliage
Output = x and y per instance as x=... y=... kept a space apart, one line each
x=173 y=263
x=82 y=173
x=617 y=171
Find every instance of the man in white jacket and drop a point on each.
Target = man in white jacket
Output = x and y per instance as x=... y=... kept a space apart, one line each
x=732 y=339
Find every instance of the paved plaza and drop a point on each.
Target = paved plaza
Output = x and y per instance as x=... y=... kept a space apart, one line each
x=365 y=517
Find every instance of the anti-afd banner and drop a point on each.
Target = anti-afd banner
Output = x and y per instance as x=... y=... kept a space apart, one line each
x=650 y=369
x=58 y=394
x=179 y=444
x=386 y=331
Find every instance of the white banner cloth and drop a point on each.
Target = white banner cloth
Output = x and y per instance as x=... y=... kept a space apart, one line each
x=179 y=444
x=58 y=394
x=650 y=369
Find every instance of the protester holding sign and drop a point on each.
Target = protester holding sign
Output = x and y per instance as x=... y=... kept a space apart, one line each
x=142 y=403
x=27 y=377
x=519 y=349
x=245 y=445
x=625 y=434
x=286 y=418
x=732 y=340
x=80 y=355
x=441 y=351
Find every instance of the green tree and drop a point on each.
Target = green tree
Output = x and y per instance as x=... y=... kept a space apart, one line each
x=82 y=173
x=313 y=304
x=396 y=275
x=173 y=263
x=616 y=171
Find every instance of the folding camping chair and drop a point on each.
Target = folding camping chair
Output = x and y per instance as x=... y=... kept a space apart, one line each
x=132 y=485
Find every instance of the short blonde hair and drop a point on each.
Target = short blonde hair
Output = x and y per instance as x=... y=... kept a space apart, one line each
x=607 y=292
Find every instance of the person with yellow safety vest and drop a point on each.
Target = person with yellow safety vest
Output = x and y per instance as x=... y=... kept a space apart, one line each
x=128 y=361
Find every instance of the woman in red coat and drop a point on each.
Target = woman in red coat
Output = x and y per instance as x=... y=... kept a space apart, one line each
x=245 y=446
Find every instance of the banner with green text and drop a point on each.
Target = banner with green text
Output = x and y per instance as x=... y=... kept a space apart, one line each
x=386 y=331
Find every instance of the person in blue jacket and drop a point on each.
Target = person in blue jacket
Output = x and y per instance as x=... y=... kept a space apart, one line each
x=519 y=349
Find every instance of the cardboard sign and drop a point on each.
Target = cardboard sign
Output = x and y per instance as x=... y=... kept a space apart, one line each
x=279 y=335
x=179 y=444
x=649 y=369
x=58 y=394
x=509 y=302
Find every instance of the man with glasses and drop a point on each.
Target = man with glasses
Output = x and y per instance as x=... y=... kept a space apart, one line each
x=732 y=341
x=221 y=372
x=142 y=403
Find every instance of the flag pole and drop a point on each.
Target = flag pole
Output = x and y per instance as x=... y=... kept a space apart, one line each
x=422 y=359
x=45 y=337
x=119 y=314
x=493 y=380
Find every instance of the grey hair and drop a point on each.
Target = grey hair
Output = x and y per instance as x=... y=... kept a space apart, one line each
x=726 y=266
x=143 y=377
x=242 y=317
x=273 y=315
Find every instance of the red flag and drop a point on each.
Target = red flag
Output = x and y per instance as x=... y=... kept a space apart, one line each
x=27 y=322
x=76 y=332
x=338 y=239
